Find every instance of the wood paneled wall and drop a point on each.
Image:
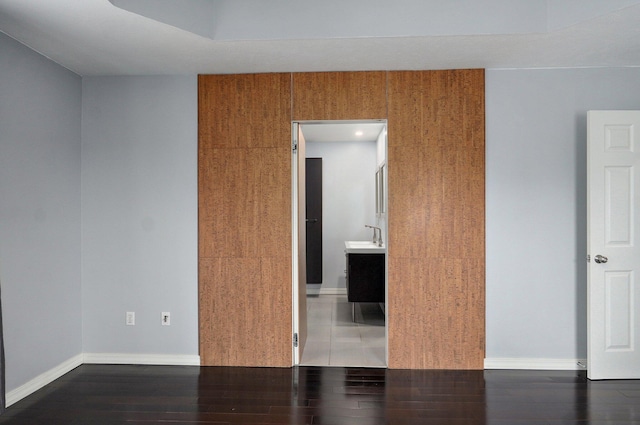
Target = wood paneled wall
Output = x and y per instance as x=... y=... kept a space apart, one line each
x=339 y=96
x=436 y=299
x=244 y=207
x=435 y=212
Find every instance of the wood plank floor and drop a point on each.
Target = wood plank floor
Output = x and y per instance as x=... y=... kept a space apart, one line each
x=104 y=395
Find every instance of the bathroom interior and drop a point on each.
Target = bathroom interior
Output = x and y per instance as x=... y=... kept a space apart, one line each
x=345 y=243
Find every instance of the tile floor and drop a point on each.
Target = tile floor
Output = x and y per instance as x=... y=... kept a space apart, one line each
x=334 y=339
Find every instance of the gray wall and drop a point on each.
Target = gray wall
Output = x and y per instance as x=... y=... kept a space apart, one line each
x=536 y=204
x=139 y=214
x=348 y=170
x=138 y=247
x=39 y=212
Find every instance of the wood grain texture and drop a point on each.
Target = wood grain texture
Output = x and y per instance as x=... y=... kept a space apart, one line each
x=245 y=200
x=436 y=171
x=244 y=207
x=339 y=95
x=436 y=220
x=442 y=320
x=243 y=311
x=252 y=110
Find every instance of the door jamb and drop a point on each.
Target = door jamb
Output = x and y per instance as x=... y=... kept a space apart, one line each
x=295 y=124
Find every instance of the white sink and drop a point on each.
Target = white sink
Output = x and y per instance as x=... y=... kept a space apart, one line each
x=363 y=247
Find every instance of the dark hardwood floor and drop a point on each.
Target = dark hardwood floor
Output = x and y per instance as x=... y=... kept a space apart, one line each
x=104 y=395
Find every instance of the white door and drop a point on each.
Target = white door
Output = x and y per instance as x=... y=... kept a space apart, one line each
x=613 y=209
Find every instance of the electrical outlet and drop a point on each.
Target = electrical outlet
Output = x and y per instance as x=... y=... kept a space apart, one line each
x=130 y=319
x=166 y=318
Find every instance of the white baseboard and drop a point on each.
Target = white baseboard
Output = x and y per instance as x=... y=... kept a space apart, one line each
x=535 y=364
x=51 y=375
x=333 y=291
x=318 y=289
x=43 y=379
x=146 y=359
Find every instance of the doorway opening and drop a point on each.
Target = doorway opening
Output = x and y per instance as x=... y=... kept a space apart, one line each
x=332 y=325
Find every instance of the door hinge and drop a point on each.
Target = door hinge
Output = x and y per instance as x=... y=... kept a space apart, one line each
x=295 y=339
x=294 y=147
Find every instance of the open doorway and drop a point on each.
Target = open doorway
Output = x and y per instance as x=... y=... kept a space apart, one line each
x=335 y=330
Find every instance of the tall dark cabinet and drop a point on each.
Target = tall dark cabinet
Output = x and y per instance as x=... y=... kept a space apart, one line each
x=313 y=192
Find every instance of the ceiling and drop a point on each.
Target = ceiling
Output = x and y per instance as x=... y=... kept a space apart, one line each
x=94 y=37
x=347 y=131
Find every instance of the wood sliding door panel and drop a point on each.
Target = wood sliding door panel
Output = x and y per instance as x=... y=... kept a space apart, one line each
x=436 y=220
x=425 y=338
x=252 y=110
x=339 y=95
x=405 y=93
x=244 y=198
x=453 y=108
x=232 y=178
x=232 y=317
x=442 y=206
x=242 y=223
x=274 y=230
x=225 y=324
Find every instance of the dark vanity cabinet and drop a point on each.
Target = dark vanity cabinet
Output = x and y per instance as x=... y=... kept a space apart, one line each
x=365 y=277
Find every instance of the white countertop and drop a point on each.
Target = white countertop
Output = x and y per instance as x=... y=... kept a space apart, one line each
x=364 y=247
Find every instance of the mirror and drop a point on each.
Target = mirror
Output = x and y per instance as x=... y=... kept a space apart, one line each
x=381 y=206
x=378 y=192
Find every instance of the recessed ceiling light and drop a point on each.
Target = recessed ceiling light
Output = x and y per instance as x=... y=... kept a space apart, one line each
x=359 y=133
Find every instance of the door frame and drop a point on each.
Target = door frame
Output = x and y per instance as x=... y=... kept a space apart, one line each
x=295 y=245
x=296 y=225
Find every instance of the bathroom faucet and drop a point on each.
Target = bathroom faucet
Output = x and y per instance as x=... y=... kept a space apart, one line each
x=377 y=236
